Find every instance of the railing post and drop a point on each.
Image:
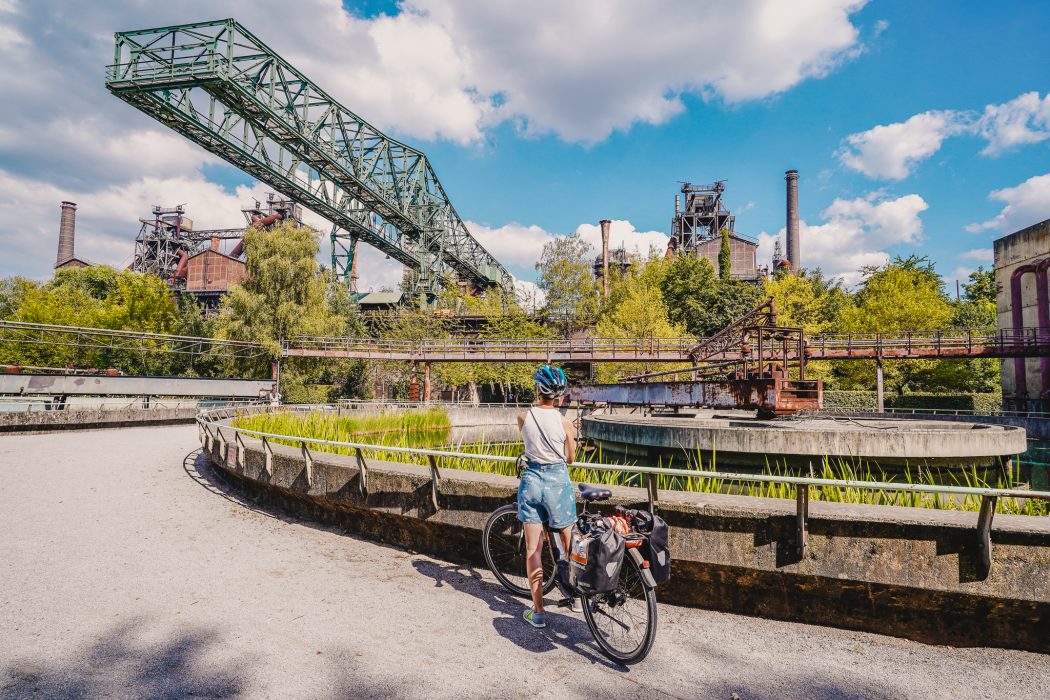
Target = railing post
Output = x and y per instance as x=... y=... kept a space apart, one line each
x=650 y=487
x=267 y=458
x=435 y=482
x=801 y=519
x=984 y=535
x=362 y=468
x=309 y=460
x=240 y=450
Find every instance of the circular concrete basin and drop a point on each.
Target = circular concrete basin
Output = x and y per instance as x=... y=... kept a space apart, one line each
x=805 y=441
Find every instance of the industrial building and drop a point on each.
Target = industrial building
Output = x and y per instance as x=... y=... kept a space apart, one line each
x=697 y=229
x=1022 y=305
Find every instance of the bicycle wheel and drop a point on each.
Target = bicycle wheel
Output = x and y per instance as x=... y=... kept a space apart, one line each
x=623 y=622
x=503 y=542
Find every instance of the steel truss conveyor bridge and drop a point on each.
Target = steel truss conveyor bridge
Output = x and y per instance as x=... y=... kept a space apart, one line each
x=218 y=85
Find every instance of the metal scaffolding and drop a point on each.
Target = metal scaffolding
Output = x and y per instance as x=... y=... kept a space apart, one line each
x=221 y=87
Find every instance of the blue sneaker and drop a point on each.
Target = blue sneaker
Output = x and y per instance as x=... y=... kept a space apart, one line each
x=536 y=619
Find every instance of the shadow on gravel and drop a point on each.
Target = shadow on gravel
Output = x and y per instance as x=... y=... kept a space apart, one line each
x=563 y=629
x=199 y=468
x=122 y=664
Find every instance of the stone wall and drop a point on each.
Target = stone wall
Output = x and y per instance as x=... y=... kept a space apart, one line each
x=900 y=571
x=82 y=419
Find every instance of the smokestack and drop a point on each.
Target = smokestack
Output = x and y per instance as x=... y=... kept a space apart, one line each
x=794 y=259
x=605 y=223
x=677 y=204
x=66 y=232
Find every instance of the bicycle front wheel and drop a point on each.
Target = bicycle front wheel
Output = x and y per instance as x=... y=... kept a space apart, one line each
x=503 y=542
x=623 y=622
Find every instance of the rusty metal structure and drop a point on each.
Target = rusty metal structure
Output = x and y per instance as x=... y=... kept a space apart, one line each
x=166 y=241
x=696 y=229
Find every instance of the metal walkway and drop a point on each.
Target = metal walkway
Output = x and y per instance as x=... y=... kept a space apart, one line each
x=1025 y=342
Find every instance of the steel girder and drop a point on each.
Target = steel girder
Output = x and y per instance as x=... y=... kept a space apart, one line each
x=218 y=85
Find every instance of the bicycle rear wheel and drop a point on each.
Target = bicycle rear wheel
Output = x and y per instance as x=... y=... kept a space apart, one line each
x=503 y=542
x=623 y=622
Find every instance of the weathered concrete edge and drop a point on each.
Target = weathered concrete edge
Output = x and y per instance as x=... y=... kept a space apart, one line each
x=92 y=419
x=900 y=571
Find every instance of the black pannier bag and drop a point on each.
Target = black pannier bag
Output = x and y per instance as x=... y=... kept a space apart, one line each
x=655 y=548
x=596 y=559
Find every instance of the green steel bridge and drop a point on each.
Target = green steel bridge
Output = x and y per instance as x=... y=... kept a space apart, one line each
x=224 y=89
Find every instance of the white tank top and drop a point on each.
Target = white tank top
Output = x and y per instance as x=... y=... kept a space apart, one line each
x=543 y=426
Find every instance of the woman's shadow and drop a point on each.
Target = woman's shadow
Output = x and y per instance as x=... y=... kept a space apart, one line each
x=563 y=630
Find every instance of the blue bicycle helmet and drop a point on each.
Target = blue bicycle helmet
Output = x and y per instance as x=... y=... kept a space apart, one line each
x=550 y=381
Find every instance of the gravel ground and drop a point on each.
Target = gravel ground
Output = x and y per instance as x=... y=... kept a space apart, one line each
x=128 y=569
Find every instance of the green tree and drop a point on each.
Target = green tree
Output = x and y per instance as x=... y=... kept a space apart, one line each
x=285 y=296
x=636 y=311
x=725 y=257
x=905 y=295
x=566 y=278
x=701 y=303
x=808 y=300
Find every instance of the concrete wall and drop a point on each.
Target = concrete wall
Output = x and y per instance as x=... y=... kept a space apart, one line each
x=25 y=421
x=1027 y=246
x=899 y=571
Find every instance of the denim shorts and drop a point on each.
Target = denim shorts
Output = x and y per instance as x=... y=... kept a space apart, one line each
x=545 y=495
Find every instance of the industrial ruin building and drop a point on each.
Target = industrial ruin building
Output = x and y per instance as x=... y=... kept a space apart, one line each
x=202 y=263
x=210 y=273
x=1022 y=304
x=697 y=227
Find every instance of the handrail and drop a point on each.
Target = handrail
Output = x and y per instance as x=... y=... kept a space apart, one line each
x=667 y=471
x=989 y=496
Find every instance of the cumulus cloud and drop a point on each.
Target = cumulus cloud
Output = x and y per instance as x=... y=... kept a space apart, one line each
x=854 y=234
x=1022 y=120
x=436 y=69
x=1025 y=204
x=979 y=254
x=892 y=151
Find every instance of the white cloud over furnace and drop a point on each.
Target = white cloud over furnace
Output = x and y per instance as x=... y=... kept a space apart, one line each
x=1025 y=204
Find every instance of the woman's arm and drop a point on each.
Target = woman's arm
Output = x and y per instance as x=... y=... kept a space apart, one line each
x=570 y=441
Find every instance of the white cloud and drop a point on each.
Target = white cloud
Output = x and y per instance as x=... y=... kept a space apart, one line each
x=622 y=234
x=1024 y=119
x=1026 y=204
x=513 y=244
x=854 y=234
x=979 y=254
x=529 y=295
x=436 y=70
x=892 y=150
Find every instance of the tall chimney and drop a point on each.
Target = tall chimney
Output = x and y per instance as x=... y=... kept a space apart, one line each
x=66 y=232
x=794 y=259
x=605 y=223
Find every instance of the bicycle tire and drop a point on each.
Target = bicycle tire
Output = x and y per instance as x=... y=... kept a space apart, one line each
x=503 y=543
x=631 y=586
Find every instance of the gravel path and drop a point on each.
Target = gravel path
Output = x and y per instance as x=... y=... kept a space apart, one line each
x=127 y=569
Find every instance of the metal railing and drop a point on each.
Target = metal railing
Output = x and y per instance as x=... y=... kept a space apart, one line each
x=208 y=422
x=31 y=404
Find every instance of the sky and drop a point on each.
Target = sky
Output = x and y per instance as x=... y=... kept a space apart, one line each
x=916 y=127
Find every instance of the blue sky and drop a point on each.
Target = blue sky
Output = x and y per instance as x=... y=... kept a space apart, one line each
x=903 y=119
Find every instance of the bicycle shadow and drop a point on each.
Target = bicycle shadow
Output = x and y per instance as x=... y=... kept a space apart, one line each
x=563 y=629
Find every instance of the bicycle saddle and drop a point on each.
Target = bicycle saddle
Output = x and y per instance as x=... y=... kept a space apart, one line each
x=594 y=494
